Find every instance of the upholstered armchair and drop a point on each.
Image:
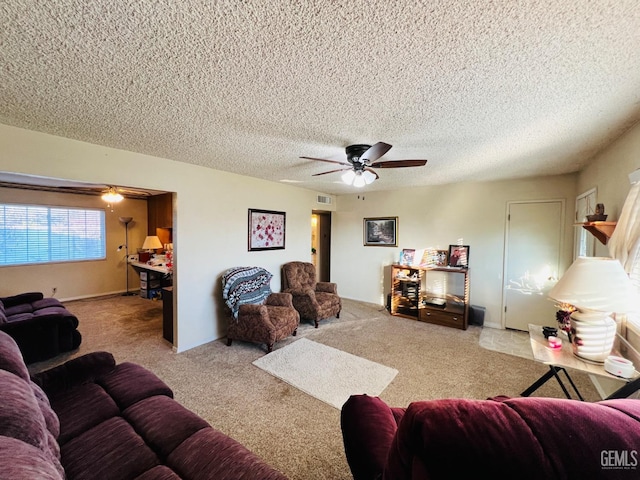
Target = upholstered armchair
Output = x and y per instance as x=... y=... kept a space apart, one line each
x=312 y=299
x=257 y=314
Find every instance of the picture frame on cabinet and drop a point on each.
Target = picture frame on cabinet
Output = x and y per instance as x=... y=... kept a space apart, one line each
x=267 y=230
x=380 y=232
x=459 y=256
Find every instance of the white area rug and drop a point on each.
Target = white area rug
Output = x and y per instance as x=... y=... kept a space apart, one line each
x=326 y=373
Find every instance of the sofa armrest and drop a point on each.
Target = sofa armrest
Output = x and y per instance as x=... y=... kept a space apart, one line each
x=328 y=287
x=256 y=316
x=368 y=428
x=75 y=372
x=28 y=297
x=280 y=300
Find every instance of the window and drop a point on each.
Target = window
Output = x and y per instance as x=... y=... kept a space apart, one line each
x=40 y=234
x=585 y=245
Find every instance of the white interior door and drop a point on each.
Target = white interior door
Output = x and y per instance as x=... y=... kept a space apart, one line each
x=534 y=238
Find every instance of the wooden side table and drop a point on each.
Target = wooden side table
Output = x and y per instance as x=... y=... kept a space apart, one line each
x=561 y=359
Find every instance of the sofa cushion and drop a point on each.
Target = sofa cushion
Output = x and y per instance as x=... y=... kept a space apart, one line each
x=209 y=453
x=163 y=423
x=111 y=450
x=21 y=418
x=20 y=415
x=159 y=472
x=129 y=383
x=18 y=309
x=515 y=438
x=11 y=358
x=27 y=297
x=77 y=371
x=47 y=303
x=20 y=460
x=51 y=419
x=82 y=408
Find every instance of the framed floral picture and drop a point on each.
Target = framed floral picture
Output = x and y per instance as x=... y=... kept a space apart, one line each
x=266 y=229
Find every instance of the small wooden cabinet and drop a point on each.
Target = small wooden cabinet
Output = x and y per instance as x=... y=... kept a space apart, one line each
x=160 y=217
x=437 y=295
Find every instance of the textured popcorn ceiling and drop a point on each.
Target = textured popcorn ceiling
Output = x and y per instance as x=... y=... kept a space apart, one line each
x=482 y=89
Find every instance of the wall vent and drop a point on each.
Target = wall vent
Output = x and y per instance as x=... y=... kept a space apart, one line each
x=324 y=199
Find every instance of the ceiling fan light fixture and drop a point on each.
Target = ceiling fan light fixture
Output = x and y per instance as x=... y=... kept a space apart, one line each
x=369 y=177
x=112 y=196
x=359 y=181
x=348 y=177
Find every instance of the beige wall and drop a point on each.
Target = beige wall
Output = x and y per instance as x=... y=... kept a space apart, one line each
x=210 y=227
x=79 y=279
x=609 y=174
x=211 y=213
x=435 y=217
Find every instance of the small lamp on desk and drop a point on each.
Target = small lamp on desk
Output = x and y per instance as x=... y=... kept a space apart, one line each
x=151 y=243
x=597 y=287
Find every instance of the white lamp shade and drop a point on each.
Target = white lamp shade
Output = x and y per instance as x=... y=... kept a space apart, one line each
x=348 y=177
x=151 y=243
x=595 y=283
x=359 y=181
x=112 y=196
x=368 y=176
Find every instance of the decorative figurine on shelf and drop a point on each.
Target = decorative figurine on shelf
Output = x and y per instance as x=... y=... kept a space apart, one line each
x=599 y=215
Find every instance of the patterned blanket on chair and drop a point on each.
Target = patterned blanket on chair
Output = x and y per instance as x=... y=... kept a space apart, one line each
x=245 y=285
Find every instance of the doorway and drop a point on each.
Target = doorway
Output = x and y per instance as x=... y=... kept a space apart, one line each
x=532 y=261
x=321 y=244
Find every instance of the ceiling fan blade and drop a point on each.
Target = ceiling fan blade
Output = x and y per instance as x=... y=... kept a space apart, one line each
x=399 y=163
x=328 y=161
x=331 y=171
x=375 y=152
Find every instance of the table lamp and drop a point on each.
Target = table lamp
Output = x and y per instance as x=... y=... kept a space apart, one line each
x=597 y=287
x=151 y=243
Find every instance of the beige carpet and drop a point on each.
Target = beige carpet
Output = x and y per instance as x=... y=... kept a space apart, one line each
x=296 y=433
x=326 y=373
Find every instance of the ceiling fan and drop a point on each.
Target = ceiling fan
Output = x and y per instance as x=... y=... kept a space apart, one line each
x=362 y=159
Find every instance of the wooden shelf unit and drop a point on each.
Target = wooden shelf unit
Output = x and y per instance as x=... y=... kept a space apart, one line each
x=438 y=295
x=601 y=230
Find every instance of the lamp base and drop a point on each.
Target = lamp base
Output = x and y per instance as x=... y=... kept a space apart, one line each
x=593 y=336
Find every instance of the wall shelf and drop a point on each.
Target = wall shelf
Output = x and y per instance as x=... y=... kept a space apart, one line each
x=601 y=230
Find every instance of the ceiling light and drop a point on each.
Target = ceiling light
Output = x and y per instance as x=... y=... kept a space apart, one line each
x=112 y=196
x=359 y=181
x=358 y=178
x=368 y=176
x=348 y=177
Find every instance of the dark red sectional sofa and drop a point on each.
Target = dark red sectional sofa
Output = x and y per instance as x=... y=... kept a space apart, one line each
x=500 y=438
x=92 y=419
x=42 y=327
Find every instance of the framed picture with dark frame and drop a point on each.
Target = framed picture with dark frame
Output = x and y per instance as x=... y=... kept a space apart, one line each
x=459 y=256
x=266 y=229
x=381 y=232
